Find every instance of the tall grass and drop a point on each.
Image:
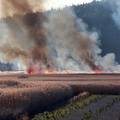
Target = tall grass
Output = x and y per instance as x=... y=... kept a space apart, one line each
x=66 y=110
x=18 y=97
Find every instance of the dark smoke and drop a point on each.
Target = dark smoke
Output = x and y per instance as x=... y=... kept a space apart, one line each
x=30 y=41
x=21 y=6
x=26 y=33
x=36 y=31
x=13 y=53
x=56 y=39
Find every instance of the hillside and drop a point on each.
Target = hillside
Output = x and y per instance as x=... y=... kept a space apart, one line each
x=98 y=16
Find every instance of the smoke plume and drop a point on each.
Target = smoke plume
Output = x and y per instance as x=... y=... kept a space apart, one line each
x=26 y=37
x=116 y=12
x=15 y=7
x=22 y=7
x=115 y=8
x=70 y=45
x=54 y=39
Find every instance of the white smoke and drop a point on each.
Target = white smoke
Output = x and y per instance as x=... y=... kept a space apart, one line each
x=71 y=46
x=116 y=15
x=108 y=63
x=115 y=5
x=65 y=33
x=64 y=43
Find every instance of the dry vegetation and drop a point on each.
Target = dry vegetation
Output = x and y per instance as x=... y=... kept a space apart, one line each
x=18 y=97
x=22 y=95
x=94 y=107
x=65 y=111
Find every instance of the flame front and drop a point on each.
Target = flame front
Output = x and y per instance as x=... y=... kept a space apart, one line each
x=35 y=70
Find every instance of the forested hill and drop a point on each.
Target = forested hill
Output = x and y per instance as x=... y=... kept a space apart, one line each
x=98 y=16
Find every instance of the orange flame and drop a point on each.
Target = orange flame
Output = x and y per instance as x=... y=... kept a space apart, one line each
x=98 y=70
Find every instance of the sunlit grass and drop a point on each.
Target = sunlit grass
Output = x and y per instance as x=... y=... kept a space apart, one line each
x=67 y=109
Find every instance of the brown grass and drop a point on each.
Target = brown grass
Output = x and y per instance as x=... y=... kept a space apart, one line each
x=29 y=96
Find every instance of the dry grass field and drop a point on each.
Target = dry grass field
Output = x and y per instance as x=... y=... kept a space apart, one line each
x=21 y=94
x=18 y=97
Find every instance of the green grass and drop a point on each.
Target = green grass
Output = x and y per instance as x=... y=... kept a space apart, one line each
x=87 y=116
x=68 y=109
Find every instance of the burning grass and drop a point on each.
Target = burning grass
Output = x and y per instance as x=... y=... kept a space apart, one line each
x=18 y=97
